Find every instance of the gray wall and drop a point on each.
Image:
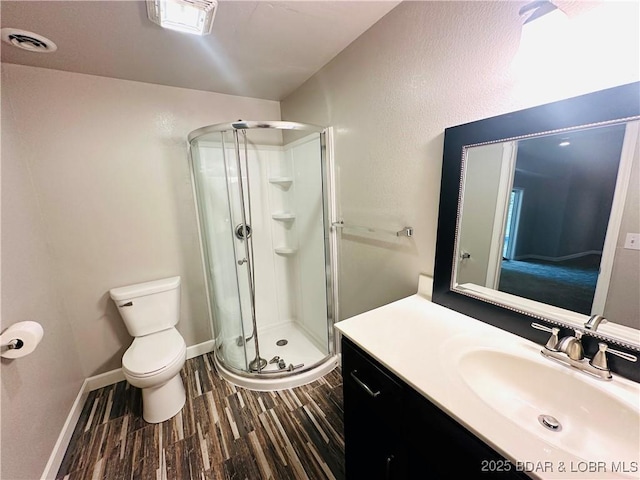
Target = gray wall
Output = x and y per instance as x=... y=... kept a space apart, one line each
x=37 y=390
x=423 y=67
x=96 y=194
x=622 y=302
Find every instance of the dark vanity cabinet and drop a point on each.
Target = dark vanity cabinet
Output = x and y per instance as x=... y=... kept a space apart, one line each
x=393 y=432
x=373 y=429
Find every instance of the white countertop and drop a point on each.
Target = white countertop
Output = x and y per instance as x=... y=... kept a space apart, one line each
x=416 y=339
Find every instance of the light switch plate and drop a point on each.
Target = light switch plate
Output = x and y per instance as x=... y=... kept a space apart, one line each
x=632 y=242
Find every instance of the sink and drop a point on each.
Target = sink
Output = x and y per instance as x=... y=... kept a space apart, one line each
x=588 y=418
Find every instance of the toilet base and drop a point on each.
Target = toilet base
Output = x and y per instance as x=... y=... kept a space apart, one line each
x=163 y=402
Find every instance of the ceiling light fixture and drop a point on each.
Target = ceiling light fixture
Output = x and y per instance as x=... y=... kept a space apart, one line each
x=543 y=27
x=534 y=10
x=564 y=143
x=188 y=16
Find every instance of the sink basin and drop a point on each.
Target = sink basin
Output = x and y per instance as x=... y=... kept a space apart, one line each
x=582 y=416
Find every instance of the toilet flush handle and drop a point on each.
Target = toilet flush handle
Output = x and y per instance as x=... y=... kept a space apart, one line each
x=128 y=304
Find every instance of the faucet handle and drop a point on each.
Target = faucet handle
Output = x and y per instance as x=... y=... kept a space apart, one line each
x=552 y=343
x=599 y=360
x=626 y=356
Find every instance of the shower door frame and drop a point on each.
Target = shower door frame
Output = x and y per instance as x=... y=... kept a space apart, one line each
x=331 y=245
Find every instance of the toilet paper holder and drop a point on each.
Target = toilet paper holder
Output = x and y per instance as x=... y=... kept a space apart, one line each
x=14 y=344
x=20 y=339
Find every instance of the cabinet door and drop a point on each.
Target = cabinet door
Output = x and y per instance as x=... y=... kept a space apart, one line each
x=372 y=419
x=440 y=448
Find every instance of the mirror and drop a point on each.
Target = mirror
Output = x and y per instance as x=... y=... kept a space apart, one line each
x=536 y=220
x=535 y=210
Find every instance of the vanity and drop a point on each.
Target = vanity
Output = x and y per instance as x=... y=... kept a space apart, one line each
x=521 y=361
x=409 y=436
x=426 y=395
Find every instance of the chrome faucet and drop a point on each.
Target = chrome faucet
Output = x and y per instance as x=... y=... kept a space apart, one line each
x=569 y=351
x=572 y=346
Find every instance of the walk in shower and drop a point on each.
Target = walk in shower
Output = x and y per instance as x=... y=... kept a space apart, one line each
x=264 y=199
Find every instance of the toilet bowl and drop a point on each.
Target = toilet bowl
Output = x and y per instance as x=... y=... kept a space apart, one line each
x=153 y=363
x=158 y=352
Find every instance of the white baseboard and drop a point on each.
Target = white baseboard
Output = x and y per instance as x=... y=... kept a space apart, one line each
x=200 y=349
x=104 y=379
x=57 y=455
x=94 y=383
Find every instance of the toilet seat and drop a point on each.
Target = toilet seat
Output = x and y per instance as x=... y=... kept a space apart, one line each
x=154 y=353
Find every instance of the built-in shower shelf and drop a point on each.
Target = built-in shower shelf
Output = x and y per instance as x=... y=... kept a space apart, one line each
x=286 y=251
x=282 y=181
x=283 y=216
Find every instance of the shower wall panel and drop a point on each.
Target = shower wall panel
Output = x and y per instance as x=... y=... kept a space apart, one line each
x=270 y=308
x=284 y=246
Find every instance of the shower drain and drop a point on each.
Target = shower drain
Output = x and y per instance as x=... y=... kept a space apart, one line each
x=282 y=342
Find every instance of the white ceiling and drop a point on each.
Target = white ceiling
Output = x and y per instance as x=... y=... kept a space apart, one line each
x=263 y=49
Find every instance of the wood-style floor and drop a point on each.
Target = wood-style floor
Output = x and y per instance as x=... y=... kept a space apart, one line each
x=223 y=432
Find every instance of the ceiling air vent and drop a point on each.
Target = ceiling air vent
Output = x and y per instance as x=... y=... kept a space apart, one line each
x=29 y=41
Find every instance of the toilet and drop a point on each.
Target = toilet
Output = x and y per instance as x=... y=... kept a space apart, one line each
x=158 y=352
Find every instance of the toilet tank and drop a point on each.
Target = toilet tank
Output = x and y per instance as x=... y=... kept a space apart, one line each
x=149 y=307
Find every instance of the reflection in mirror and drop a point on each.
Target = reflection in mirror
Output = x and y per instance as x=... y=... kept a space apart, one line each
x=540 y=219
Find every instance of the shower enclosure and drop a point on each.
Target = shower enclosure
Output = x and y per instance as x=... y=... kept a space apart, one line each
x=264 y=199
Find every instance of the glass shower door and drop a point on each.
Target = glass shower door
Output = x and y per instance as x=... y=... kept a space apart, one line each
x=216 y=184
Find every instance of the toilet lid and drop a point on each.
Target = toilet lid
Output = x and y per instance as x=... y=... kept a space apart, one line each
x=153 y=352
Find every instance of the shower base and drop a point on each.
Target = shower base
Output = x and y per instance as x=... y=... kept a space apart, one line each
x=299 y=349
